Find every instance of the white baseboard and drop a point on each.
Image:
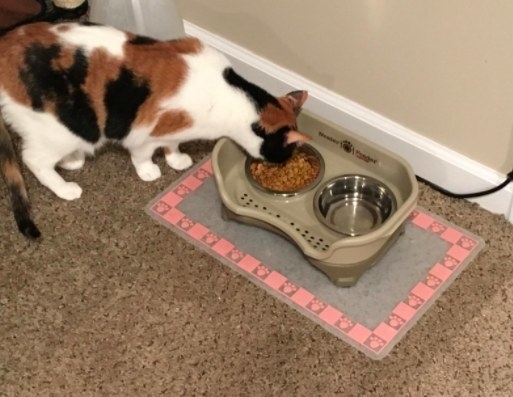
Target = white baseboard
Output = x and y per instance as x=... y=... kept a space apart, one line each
x=430 y=160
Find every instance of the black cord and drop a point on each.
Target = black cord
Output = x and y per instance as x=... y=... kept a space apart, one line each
x=509 y=178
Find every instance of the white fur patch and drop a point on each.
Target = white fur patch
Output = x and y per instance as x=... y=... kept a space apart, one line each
x=42 y=130
x=216 y=108
x=94 y=37
x=139 y=136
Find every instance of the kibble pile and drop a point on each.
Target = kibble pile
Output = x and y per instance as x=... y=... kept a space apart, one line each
x=295 y=174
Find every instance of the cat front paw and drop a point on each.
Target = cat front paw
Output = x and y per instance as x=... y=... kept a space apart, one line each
x=179 y=161
x=148 y=171
x=69 y=191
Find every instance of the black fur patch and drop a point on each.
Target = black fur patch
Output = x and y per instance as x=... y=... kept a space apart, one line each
x=37 y=70
x=21 y=210
x=258 y=95
x=89 y=23
x=62 y=87
x=123 y=98
x=142 y=40
x=258 y=130
x=274 y=148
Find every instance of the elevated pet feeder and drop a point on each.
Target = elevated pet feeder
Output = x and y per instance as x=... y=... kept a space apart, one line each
x=346 y=219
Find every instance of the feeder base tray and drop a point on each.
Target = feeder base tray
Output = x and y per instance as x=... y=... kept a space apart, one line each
x=345 y=275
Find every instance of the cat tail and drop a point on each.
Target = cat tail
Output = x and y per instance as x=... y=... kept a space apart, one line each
x=11 y=174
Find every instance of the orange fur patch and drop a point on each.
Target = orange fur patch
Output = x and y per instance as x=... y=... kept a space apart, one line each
x=13 y=176
x=162 y=65
x=12 y=47
x=172 y=121
x=273 y=118
x=64 y=61
x=63 y=28
x=102 y=68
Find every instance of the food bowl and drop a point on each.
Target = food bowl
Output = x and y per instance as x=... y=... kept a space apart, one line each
x=284 y=180
x=354 y=205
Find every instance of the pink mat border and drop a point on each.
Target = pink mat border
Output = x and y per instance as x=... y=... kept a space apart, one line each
x=375 y=342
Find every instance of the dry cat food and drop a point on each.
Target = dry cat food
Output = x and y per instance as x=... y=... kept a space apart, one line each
x=295 y=174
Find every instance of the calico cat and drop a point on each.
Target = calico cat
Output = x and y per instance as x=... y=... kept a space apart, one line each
x=68 y=88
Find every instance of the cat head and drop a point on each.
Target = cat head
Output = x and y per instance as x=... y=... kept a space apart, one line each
x=277 y=127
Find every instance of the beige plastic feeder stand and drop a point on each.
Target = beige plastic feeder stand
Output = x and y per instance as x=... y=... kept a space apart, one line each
x=342 y=258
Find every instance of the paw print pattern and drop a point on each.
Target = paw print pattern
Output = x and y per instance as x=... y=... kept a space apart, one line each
x=413 y=215
x=235 y=255
x=210 y=239
x=395 y=321
x=375 y=342
x=316 y=306
x=450 y=262
x=437 y=227
x=185 y=223
x=261 y=271
x=182 y=190
x=432 y=281
x=288 y=288
x=161 y=208
x=344 y=324
x=202 y=174
x=347 y=146
x=466 y=243
x=414 y=301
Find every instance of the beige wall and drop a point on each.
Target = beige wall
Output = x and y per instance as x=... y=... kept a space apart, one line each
x=443 y=68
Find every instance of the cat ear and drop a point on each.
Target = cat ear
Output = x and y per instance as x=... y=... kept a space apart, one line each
x=296 y=136
x=298 y=98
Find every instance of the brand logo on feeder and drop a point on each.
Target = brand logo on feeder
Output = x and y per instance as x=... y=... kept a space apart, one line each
x=348 y=147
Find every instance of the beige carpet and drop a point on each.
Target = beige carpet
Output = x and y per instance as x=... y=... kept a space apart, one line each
x=109 y=303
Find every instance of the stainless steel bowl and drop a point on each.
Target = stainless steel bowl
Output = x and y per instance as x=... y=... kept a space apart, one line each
x=354 y=204
x=304 y=148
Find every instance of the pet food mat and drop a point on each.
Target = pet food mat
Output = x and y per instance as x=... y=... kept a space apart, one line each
x=373 y=315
